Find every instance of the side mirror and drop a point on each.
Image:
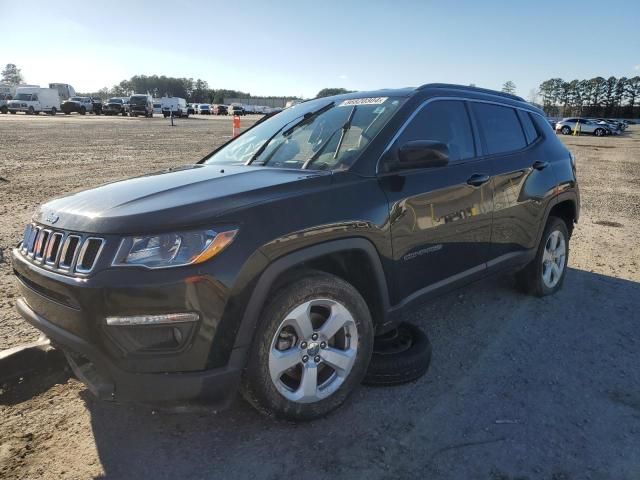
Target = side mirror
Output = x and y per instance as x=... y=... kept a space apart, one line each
x=422 y=154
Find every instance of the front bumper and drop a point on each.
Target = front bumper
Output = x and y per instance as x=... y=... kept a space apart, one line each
x=72 y=312
x=109 y=382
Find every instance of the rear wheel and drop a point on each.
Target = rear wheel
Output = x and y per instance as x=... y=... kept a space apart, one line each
x=599 y=132
x=545 y=274
x=30 y=111
x=565 y=130
x=312 y=348
x=54 y=111
x=4 y=109
x=83 y=111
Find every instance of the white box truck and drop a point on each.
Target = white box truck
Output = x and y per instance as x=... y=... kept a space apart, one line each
x=65 y=90
x=32 y=100
x=175 y=105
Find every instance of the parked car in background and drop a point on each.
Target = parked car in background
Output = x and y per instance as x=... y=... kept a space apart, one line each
x=33 y=100
x=204 y=109
x=194 y=283
x=191 y=110
x=174 y=105
x=567 y=126
x=236 y=110
x=615 y=124
x=65 y=91
x=115 y=106
x=81 y=105
x=140 y=104
x=219 y=110
x=4 y=100
x=157 y=106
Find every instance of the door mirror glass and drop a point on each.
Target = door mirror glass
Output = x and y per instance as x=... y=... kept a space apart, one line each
x=422 y=154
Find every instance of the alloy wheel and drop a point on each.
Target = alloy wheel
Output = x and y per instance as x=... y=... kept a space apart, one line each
x=313 y=351
x=553 y=259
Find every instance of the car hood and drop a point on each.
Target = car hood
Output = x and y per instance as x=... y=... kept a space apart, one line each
x=172 y=199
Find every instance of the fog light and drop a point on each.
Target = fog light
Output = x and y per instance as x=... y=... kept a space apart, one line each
x=168 y=318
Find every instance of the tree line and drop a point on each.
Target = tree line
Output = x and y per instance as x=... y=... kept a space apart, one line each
x=596 y=97
x=196 y=91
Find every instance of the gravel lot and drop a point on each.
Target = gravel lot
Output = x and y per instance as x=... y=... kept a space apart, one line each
x=519 y=387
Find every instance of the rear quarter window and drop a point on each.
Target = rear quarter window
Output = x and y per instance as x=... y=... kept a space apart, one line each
x=527 y=125
x=500 y=127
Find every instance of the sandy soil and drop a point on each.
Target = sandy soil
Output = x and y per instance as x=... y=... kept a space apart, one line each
x=519 y=387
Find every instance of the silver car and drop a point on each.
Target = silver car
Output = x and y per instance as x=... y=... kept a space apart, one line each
x=567 y=126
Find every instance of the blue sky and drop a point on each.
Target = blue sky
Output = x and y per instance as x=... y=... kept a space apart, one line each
x=298 y=47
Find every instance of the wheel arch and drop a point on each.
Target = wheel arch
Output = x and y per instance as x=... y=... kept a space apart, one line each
x=338 y=257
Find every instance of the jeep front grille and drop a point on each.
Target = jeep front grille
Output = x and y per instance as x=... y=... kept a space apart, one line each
x=66 y=252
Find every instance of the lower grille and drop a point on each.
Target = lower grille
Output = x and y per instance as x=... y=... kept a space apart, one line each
x=67 y=252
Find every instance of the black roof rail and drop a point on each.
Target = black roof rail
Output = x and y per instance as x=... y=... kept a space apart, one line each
x=452 y=86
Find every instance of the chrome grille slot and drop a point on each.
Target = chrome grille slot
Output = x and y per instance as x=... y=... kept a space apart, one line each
x=53 y=249
x=61 y=251
x=35 y=233
x=41 y=244
x=69 y=252
x=88 y=255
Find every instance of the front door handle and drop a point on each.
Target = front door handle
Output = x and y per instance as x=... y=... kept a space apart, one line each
x=540 y=165
x=478 y=179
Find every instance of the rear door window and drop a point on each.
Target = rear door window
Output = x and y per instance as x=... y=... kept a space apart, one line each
x=500 y=127
x=445 y=121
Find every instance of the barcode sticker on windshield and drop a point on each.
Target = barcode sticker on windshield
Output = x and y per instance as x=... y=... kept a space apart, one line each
x=363 y=101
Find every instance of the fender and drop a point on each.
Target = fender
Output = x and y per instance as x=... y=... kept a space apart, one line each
x=258 y=297
x=570 y=195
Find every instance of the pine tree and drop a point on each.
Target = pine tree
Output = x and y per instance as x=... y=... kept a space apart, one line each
x=11 y=75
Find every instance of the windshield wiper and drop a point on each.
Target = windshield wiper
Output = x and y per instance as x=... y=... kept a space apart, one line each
x=345 y=128
x=306 y=118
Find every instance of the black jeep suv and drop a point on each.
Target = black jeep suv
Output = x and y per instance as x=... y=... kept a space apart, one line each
x=270 y=265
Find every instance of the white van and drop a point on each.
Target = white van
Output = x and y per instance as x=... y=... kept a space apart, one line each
x=175 y=105
x=157 y=106
x=65 y=90
x=35 y=100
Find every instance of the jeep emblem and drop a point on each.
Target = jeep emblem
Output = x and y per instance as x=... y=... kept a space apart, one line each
x=51 y=217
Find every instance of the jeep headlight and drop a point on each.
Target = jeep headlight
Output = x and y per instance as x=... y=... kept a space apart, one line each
x=172 y=249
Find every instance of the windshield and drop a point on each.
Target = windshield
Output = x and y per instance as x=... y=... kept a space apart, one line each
x=318 y=134
x=23 y=96
x=114 y=100
x=138 y=100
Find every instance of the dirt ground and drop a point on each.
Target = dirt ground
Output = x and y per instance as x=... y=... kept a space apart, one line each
x=519 y=387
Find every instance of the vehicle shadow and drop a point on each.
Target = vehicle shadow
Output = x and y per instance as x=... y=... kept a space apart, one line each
x=518 y=386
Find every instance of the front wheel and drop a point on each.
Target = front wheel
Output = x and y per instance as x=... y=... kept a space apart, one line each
x=83 y=111
x=565 y=130
x=54 y=111
x=4 y=109
x=311 y=350
x=545 y=274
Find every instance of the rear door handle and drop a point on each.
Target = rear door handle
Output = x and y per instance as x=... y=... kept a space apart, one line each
x=478 y=179
x=540 y=165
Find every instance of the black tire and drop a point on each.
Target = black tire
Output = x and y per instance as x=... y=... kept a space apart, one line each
x=4 y=109
x=83 y=111
x=54 y=110
x=67 y=113
x=37 y=113
x=529 y=280
x=124 y=114
x=599 y=132
x=30 y=111
x=565 y=130
x=259 y=389
x=13 y=112
x=400 y=356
